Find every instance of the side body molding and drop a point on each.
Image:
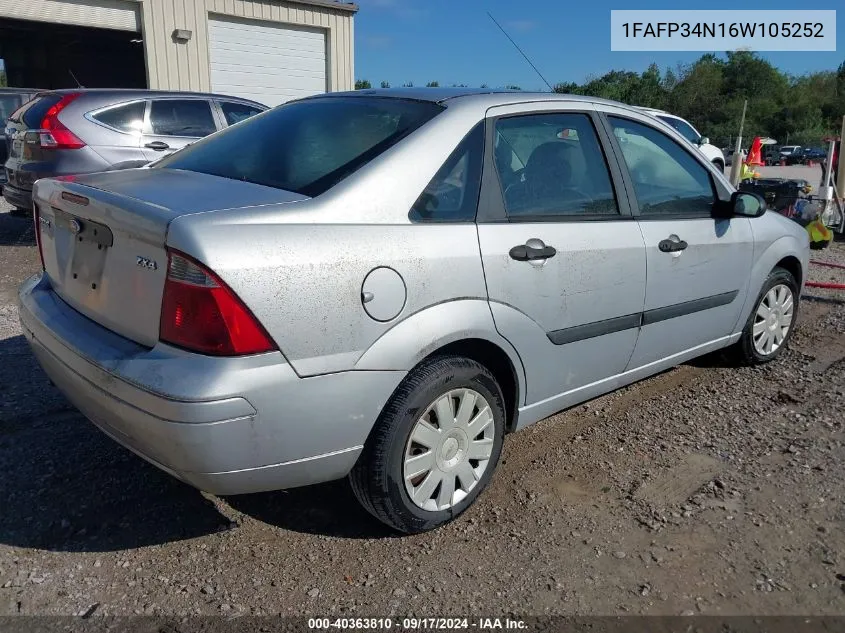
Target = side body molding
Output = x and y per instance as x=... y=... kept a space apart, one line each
x=417 y=336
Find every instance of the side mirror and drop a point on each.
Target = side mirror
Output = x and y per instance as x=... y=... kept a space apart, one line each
x=704 y=141
x=743 y=204
x=748 y=205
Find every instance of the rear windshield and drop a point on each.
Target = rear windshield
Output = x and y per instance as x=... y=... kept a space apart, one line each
x=34 y=111
x=307 y=146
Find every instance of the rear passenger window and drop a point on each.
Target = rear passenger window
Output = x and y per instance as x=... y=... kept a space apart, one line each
x=126 y=118
x=551 y=166
x=452 y=195
x=189 y=117
x=667 y=179
x=237 y=112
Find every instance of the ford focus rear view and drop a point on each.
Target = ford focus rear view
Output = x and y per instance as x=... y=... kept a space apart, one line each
x=382 y=285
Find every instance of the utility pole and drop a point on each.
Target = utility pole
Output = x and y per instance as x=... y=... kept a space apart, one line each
x=736 y=162
x=840 y=176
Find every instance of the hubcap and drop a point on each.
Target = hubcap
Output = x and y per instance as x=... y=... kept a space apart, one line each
x=449 y=450
x=773 y=320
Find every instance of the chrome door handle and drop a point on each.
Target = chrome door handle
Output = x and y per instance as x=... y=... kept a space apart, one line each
x=672 y=245
x=532 y=250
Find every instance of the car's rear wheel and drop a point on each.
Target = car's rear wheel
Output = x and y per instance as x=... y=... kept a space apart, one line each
x=434 y=447
x=19 y=212
x=772 y=321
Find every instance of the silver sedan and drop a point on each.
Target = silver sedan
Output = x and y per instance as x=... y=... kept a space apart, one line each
x=382 y=284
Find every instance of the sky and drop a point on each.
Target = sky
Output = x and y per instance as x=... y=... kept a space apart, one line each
x=454 y=41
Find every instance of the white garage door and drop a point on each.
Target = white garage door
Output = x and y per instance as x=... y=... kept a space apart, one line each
x=266 y=61
x=106 y=14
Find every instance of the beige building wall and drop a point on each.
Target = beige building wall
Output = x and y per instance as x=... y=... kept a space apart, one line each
x=185 y=66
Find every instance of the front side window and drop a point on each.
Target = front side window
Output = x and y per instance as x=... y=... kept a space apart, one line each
x=187 y=117
x=552 y=166
x=667 y=179
x=683 y=127
x=126 y=118
x=452 y=195
x=306 y=146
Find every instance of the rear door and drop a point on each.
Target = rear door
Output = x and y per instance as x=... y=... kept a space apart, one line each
x=119 y=138
x=563 y=258
x=174 y=123
x=698 y=266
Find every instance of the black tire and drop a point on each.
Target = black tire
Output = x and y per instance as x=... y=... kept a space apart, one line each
x=744 y=351
x=377 y=478
x=19 y=213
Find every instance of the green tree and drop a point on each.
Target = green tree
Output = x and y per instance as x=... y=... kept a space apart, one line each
x=385 y=84
x=567 y=88
x=433 y=84
x=711 y=91
x=363 y=84
x=408 y=84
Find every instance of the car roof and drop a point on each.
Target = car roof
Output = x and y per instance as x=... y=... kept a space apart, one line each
x=144 y=93
x=489 y=96
x=663 y=113
x=8 y=90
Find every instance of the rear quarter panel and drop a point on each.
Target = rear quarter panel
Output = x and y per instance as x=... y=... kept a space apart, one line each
x=304 y=283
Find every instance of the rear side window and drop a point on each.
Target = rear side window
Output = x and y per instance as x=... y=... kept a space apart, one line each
x=36 y=110
x=187 y=117
x=237 y=112
x=126 y=118
x=452 y=195
x=306 y=146
x=551 y=166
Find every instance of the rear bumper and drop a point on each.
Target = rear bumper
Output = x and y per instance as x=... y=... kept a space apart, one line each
x=224 y=425
x=20 y=198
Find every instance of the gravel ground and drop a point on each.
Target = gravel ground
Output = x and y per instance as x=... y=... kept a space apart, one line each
x=706 y=489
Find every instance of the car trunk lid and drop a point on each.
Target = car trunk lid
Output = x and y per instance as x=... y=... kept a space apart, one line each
x=103 y=237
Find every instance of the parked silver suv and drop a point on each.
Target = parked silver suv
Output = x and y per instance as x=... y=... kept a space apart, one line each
x=65 y=132
x=385 y=283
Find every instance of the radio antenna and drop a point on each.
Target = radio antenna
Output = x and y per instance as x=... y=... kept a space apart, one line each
x=521 y=51
x=78 y=85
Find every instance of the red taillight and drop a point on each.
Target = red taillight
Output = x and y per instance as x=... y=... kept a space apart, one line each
x=200 y=313
x=36 y=216
x=54 y=134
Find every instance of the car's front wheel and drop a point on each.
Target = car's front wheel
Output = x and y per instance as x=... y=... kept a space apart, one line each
x=772 y=321
x=434 y=447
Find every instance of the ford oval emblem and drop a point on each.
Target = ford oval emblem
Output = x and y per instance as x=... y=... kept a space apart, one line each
x=75 y=226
